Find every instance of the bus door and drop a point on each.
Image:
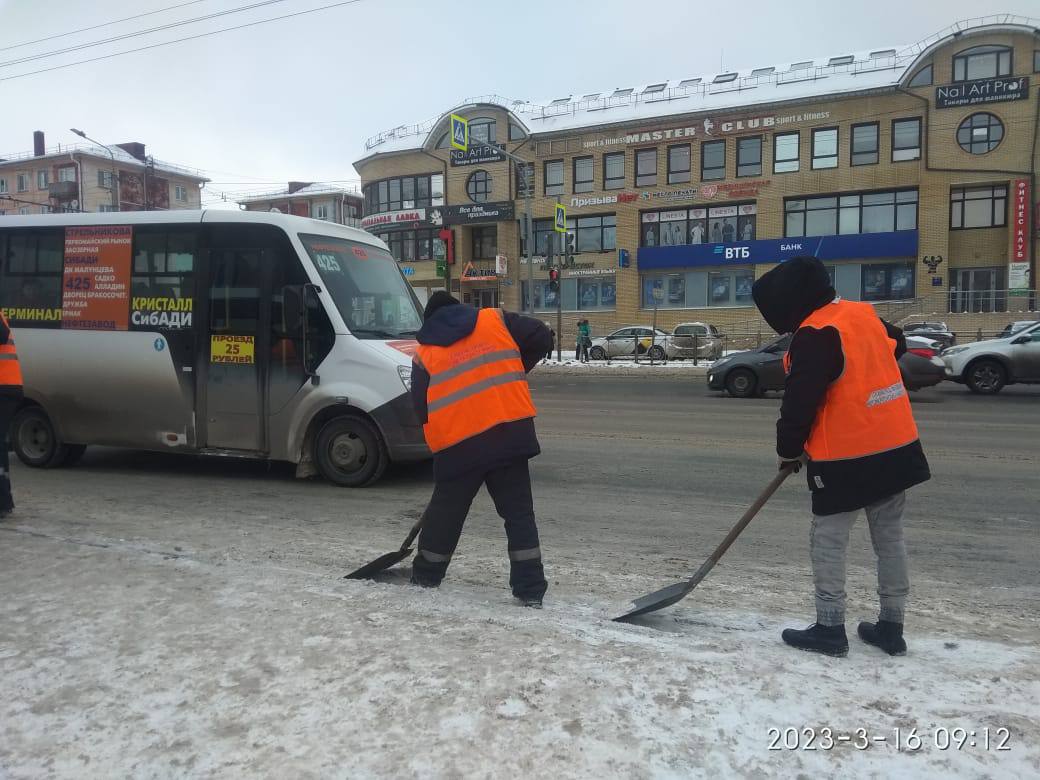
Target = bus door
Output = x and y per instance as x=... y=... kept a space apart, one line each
x=234 y=354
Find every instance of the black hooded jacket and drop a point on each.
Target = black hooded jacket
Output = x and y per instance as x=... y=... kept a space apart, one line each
x=786 y=296
x=504 y=443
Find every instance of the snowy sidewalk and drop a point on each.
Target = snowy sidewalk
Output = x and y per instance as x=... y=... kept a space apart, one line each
x=125 y=658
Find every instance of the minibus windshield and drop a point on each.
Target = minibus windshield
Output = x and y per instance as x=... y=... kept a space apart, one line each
x=366 y=284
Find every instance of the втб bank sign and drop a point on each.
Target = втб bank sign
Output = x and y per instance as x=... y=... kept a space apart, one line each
x=710 y=128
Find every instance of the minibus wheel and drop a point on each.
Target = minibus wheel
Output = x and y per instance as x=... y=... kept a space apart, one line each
x=34 y=439
x=350 y=451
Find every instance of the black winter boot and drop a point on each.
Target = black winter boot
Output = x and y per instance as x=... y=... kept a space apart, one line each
x=884 y=634
x=829 y=640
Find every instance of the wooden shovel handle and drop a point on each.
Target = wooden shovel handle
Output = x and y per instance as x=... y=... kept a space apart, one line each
x=749 y=515
x=413 y=533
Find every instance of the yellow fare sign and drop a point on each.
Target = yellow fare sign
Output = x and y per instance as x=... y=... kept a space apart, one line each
x=232 y=349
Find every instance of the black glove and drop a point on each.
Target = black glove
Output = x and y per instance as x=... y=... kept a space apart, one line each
x=795 y=464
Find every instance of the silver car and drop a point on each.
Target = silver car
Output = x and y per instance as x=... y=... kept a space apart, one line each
x=986 y=366
x=697 y=339
x=623 y=343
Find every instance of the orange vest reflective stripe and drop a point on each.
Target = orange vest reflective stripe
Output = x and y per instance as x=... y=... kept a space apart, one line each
x=475 y=384
x=10 y=370
x=866 y=410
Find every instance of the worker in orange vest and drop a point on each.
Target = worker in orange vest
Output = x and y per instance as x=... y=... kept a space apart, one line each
x=847 y=417
x=10 y=397
x=469 y=388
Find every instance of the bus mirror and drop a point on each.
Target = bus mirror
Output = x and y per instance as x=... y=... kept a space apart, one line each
x=292 y=298
x=311 y=301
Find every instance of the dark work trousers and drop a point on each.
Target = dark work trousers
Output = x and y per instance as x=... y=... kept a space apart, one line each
x=510 y=489
x=8 y=405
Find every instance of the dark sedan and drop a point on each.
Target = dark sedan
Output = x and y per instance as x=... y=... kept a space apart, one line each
x=751 y=373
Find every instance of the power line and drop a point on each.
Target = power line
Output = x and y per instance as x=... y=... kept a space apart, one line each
x=139 y=33
x=103 y=24
x=180 y=40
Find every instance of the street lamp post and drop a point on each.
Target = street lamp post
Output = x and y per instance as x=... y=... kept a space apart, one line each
x=115 y=178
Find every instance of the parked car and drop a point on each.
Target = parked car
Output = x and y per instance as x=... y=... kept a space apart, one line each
x=937 y=331
x=1014 y=327
x=756 y=371
x=987 y=366
x=697 y=339
x=622 y=343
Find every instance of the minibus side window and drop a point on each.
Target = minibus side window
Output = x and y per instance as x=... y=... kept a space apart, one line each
x=162 y=284
x=30 y=290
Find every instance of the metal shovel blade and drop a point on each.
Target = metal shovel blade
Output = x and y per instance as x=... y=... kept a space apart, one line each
x=369 y=570
x=665 y=597
x=384 y=562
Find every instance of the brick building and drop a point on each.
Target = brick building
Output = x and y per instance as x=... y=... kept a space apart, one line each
x=908 y=170
x=308 y=199
x=90 y=178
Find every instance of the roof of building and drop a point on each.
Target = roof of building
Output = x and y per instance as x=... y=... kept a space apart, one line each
x=801 y=79
x=310 y=191
x=121 y=156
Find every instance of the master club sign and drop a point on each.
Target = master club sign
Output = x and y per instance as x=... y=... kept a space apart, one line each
x=709 y=128
x=477 y=155
x=972 y=93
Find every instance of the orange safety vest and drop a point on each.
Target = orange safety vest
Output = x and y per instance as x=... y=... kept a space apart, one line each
x=10 y=370
x=475 y=384
x=866 y=410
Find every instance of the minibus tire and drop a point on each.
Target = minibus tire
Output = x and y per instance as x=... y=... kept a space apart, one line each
x=35 y=440
x=349 y=451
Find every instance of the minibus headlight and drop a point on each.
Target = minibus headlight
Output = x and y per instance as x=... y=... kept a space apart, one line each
x=405 y=372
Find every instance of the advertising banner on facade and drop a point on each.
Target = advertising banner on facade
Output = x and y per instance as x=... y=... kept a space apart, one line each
x=981 y=91
x=473 y=212
x=899 y=243
x=96 y=281
x=486 y=153
x=390 y=218
x=1020 y=221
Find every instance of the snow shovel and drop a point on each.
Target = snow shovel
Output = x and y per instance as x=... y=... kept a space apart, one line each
x=675 y=593
x=383 y=562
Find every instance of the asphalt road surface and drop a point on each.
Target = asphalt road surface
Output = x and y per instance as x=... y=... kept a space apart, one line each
x=167 y=615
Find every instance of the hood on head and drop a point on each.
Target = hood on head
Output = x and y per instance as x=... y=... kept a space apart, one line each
x=447 y=323
x=789 y=293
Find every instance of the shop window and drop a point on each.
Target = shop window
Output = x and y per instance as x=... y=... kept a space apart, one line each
x=409 y=245
x=30 y=288
x=980 y=133
x=478 y=186
x=646 y=167
x=553 y=177
x=717 y=225
x=408 y=192
x=584 y=174
x=485 y=242
x=596 y=292
x=906 y=139
x=825 y=148
x=785 y=152
x=545 y=298
x=978 y=289
x=871 y=212
x=678 y=164
x=982 y=62
x=670 y=291
x=887 y=282
x=594 y=234
x=749 y=156
x=978 y=207
x=614 y=171
x=923 y=77
x=864 y=149
x=713 y=160
x=482 y=131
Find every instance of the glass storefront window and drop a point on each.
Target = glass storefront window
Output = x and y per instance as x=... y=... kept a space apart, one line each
x=718 y=225
x=869 y=212
x=887 y=281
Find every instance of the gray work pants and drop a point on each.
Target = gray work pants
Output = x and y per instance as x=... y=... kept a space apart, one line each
x=828 y=545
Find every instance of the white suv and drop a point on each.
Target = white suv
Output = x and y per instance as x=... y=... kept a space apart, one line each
x=986 y=366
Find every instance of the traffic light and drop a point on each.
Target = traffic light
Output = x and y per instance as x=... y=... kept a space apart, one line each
x=554 y=279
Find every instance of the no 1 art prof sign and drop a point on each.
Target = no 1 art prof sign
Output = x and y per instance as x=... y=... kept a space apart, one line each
x=475 y=155
x=981 y=91
x=96 y=281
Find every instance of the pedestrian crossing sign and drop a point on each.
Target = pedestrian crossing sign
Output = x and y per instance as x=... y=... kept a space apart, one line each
x=560 y=225
x=459 y=133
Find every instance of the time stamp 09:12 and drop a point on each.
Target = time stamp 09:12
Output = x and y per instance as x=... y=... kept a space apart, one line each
x=908 y=740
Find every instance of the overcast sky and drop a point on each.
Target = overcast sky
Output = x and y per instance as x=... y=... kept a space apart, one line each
x=296 y=99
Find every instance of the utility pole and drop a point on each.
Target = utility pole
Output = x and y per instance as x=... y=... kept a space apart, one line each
x=528 y=175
